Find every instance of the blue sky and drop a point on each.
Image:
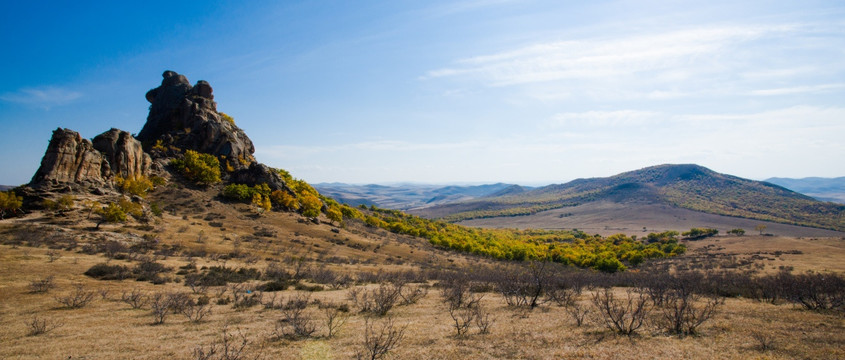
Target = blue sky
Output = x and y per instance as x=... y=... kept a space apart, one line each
x=532 y=92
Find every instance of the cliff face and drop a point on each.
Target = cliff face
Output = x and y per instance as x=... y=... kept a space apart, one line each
x=70 y=158
x=185 y=117
x=125 y=155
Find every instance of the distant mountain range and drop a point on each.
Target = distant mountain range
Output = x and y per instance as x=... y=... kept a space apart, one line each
x=412 y=196
x=688 y=186
x=825 y=189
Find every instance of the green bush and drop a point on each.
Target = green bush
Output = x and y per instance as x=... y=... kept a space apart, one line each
x=9 y=203
x=203 y=169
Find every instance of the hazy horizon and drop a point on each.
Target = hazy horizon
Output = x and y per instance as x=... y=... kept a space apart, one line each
x=444 y=92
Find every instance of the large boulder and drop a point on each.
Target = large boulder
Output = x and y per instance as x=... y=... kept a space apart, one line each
x=71 y=158
x=125 y=155
x=258 y=173
x=185 y=117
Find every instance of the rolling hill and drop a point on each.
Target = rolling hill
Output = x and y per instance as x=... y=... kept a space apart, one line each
x=690 y=187
x=411 y=196
x=824 y=189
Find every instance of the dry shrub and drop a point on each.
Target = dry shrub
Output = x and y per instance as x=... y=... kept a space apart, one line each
x=42 y=285
x=380 y=339
x=335 y=316
x=38 y=326
x=378 y=301
x=135 y=298
x=295 y=323
x=78 y=298
x=623 y=316
x=229 y=347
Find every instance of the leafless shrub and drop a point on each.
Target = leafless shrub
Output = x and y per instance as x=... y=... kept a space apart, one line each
x=525 y=287
x=195 y=311
x=482 y=319
x=462 y=318
x=577 y=312
x=378 y=301
x=164 y=304
x=379 y=340
x=334 y=318
x=412 y=294
x=295 y=323
x=623 y=316
x=38 y=326
x=78 y=298
x=42 y=285
x=135 y=298
x=683 y=313
x=765 y=342
x=229 y=347
x=817 y=291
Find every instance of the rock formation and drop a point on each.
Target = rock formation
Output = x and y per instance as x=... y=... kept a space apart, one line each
x=182 y=117
x=185 y=117
x=125 y=155
x=70 y=158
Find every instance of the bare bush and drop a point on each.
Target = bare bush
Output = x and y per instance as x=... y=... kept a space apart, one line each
x=53 y=255
x=378 y=301
x=577 y=312
x=229 y=347
x=412 y=294
x=683 y=312
x=42 y=285
x=334 y=318
x=817 y=291
x=78 y=298
x=38 y=326
x=525 y=287
x=380 y=339
x=623 y=316
x=195 y=311
x=162 y=304
x=135 y=298
x=295 y=323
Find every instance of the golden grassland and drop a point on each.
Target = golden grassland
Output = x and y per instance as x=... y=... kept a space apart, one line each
x=196 y=230
x=109 y=328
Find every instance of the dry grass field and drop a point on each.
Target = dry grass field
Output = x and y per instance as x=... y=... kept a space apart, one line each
x=201 y=234
x=607 y=218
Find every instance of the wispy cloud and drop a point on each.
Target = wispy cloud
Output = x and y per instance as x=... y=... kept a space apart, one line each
x=675 y=54
x=605 y=119
x=45 y=97
x=797 y=90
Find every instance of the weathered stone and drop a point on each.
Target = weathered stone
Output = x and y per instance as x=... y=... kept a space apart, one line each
x=258 y=173
x=183 y=117
x=71 y=158
x=125 y=155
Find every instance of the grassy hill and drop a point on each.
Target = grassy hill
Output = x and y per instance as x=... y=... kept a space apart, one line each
x=685 y=186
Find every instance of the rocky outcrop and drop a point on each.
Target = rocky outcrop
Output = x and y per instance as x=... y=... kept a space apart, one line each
x=71 y=158
x=125 y=155
x=185 y=117
x=258 y=173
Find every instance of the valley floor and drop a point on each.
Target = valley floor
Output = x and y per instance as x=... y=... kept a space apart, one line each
x=607 y=218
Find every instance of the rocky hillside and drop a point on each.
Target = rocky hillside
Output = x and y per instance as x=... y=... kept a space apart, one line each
x=685 y=186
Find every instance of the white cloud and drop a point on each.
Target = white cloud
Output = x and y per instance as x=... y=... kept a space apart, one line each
x=45 y=97
x=605 y=119
x=676 y=55
x=797 y=90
